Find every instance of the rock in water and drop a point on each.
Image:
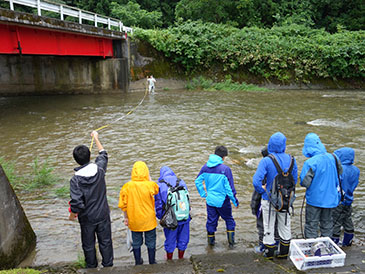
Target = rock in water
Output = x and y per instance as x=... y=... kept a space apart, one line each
x=17 y=238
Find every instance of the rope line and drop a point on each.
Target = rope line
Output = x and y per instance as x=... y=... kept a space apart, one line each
x=120 y=118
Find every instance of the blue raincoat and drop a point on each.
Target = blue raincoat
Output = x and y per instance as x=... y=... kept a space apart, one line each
x=319 y=174
x=173 y=238
x=350 y=173
x=266 y=167
x=168 y=176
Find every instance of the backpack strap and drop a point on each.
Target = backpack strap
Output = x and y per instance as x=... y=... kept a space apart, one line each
x=163 y=181
x=338 y=176
x=278 y=168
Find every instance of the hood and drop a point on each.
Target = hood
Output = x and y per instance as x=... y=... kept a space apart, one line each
x=167 y=174
x=140 y=172
x=277 y=143
x=312 y=145
x=214 y=160
x=346 y=155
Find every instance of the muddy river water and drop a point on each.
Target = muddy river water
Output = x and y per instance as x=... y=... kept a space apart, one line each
x=176 y=128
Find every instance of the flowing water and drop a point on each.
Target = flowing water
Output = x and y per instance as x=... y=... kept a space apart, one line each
x=176 y=128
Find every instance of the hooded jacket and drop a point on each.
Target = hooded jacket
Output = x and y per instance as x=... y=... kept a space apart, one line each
x=350 y=173
x=319 y=174
x=218 y=180
x=88 y=191
x=266 y=167
x=168 y=176
x=137 y=199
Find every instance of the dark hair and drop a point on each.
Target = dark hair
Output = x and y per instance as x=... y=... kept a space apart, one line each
x=221 y=151
x=264 y=152
x=81 y=154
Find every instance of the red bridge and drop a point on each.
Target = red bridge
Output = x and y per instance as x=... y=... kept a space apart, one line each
x=69 y=51
x=24 y=33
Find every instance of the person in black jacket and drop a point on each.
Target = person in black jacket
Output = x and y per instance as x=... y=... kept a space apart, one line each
x=89 y=204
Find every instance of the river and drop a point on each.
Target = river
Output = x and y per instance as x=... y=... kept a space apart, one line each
x=178 y=128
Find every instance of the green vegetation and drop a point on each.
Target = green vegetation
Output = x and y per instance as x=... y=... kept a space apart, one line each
x=41 y=176
x=288 y=53
x=281 y=40
x=63 y=191
x=201 y=83
x=20 y=271
x=9 y=169
x=80 y=263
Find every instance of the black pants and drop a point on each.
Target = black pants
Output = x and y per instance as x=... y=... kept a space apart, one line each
x=103 y=232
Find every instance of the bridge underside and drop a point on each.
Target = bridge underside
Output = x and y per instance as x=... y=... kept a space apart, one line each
x=25 y=40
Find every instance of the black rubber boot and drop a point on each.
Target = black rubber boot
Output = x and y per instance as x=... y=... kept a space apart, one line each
x=230 y=237
x=211 y=238
x=152 y=255
x=283 y=249
x=269 y=251
x=137 y=256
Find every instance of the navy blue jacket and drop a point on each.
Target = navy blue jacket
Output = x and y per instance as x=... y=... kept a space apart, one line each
x=88 y=191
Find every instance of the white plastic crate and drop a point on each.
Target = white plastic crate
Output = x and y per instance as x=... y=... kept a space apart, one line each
x=302 y=256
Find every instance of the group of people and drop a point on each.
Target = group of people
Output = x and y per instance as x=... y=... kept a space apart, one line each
x=142 y=200
x=330 y=181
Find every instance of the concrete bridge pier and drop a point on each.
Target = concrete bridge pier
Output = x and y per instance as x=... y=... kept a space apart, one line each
x=17 y=238
x=22 y=75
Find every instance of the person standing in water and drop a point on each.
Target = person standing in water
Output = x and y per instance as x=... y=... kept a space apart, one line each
x=218 y=192
x=151 y=84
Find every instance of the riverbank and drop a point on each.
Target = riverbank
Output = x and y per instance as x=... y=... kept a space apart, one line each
x=230 y=262
x=164 y=84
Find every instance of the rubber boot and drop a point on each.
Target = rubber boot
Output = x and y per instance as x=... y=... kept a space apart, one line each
x=269 y=251
x=260 y=248
x=181 y=254
x=152 y=255
x=230 y=237
x=336 y=240
x=169 y=255
x=137 y=256
x=283 y=249
x=211 y=238
x=347 y=239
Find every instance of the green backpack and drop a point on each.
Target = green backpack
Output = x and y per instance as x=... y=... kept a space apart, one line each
x=178 y=197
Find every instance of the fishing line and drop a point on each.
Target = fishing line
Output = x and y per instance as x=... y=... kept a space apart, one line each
x=120 y=118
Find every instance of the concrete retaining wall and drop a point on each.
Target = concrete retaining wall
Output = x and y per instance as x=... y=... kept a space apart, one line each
x=36 y=75
x=17 y=237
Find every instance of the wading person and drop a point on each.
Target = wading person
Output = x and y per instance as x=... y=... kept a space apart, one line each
x=320 y=177
x=349 y=181
x=151 y=84
x=89 y=204
x=218 y=192
x=178 y=238
x=137 y=201
x=268 y=169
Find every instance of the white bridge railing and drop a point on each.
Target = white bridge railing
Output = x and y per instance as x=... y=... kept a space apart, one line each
x=65 y=10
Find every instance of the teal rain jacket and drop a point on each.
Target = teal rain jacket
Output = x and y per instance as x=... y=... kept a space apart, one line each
x=319 y=174
x=218 y=180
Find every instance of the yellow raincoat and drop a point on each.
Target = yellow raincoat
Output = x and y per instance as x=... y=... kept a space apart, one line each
x=137 y=199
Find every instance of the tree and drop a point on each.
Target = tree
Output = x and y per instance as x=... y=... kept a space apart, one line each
x=131 y=14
